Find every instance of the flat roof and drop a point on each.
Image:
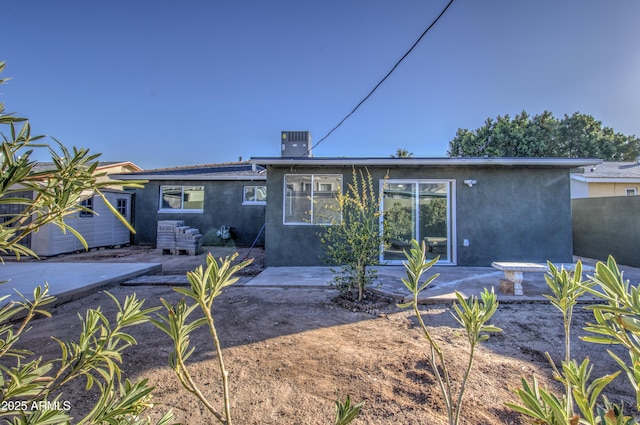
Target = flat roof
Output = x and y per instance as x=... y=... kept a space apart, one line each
x=444 y=161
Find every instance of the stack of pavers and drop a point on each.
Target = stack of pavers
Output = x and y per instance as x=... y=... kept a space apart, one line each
x=176 y=238
x=188 y=240
x=166 y=239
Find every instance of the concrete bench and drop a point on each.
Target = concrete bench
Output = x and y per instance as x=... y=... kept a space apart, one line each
x=513 y=271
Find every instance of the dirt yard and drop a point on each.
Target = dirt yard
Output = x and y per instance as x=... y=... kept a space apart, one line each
x=291 y=352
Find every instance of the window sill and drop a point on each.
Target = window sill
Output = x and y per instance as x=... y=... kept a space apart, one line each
x=309 y=224
x=177 y=211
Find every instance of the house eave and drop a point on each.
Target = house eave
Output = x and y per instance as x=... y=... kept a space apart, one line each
x=453 y=161
x=582 y=178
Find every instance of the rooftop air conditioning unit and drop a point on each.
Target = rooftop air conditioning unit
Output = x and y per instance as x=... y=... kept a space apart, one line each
x=296 y=144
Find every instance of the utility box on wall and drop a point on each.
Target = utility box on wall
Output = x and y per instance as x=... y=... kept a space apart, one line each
x=296 y=144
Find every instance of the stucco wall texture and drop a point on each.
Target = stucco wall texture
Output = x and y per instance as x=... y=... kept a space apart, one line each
x=512 y=213
x=222 y=207
x=608 y=226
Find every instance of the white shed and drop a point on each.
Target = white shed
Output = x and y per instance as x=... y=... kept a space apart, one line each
x=101 y=229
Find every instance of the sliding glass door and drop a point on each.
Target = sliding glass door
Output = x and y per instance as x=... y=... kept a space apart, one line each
x=421 y=210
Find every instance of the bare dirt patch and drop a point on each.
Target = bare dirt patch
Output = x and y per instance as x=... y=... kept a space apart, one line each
x=290 y=351
x=171 y=264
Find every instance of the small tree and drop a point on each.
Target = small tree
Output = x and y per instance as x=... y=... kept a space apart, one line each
x=205 y=285
x=616 y=323
x=56 y=192
x=354 y=239
x=27 y=381
x=617 y=320
x=472 y=313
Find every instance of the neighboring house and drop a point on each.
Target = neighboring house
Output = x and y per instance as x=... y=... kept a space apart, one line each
x=101 y=229
x=112 y=168
x=606 y=212
x=607 y=179
x=469 y=211
x=205 y=197
x=108 y=168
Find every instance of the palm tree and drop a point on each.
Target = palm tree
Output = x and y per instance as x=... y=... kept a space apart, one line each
x=402 y=153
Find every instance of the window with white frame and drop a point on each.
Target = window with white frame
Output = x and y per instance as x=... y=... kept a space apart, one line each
x=121 y=206
x=87 y=204
x=256 y=195
x=311 y=198
x=181 y=198
x=631 y=191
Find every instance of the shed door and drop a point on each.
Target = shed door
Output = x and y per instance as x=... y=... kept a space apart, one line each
x=421 y=210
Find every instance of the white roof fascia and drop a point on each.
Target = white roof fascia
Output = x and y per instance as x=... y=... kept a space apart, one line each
x=119 y=164
x=546 y=162
x=582 y=178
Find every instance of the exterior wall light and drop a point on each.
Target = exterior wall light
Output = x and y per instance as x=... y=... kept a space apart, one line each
x=470 y=183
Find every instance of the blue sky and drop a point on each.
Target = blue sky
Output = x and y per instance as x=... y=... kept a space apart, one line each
x=168 y=83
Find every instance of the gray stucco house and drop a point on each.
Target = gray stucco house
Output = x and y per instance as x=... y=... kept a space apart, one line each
x=205 y=197
x=469 y=211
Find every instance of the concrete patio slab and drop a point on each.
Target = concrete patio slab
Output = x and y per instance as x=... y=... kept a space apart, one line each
x=467 y=280
x=67 y=281
x=293 y=277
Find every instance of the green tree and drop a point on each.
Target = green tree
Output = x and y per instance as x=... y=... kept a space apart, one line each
x=544 y=129
x=25 y=377
x=354 y=238
x=398 y=223
x=434 y=213
x=582 y=136
x=544 y=135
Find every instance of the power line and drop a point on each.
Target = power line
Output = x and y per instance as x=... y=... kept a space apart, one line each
x=386 y=76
